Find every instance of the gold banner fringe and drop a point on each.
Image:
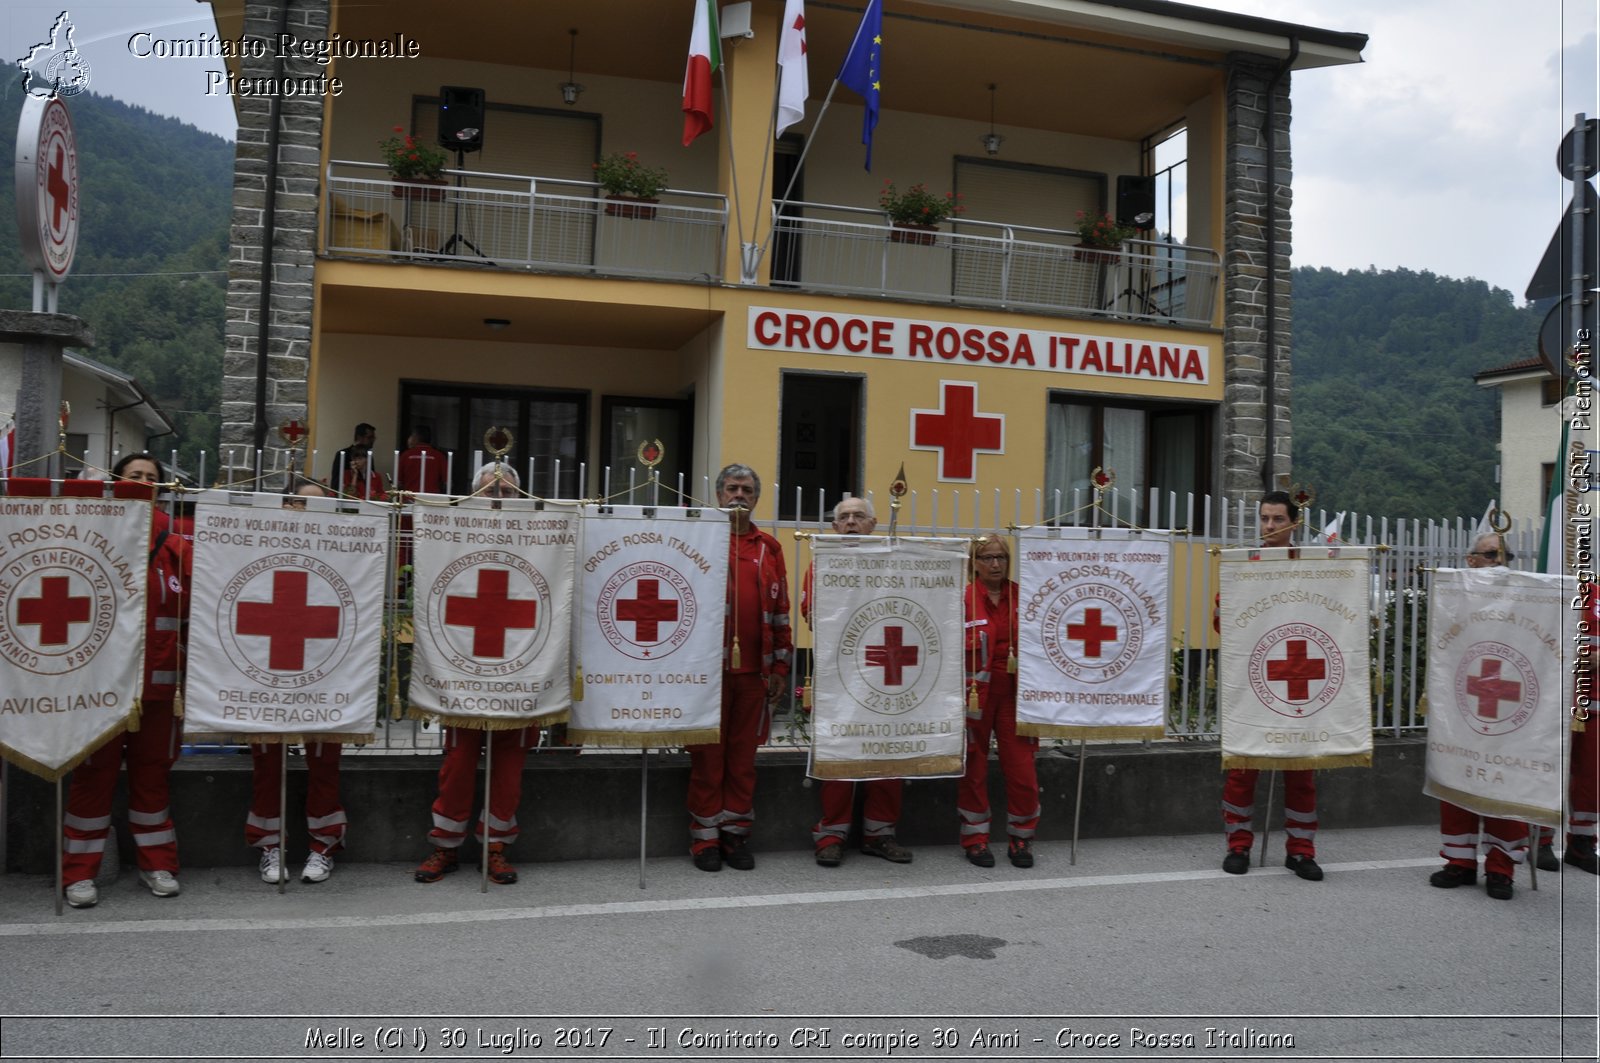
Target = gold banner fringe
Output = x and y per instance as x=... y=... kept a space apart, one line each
x=1092 y=734
x=1343 y=760
x=480 y=723
x=344 y=738
x=920 y=767
x=1487 y=806
x=594 y=739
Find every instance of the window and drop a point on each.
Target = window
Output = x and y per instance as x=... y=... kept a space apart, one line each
x=1168 y=161
x=819 y=442
x=551 y=429
x=627 y=424
x=1550 y=391
x=1161 y=445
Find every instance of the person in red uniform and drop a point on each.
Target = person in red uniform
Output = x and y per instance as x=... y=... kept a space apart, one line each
x=1583 y=783
x=152 y=748
x=722 y=775
x=1507 y=839
x=325 y=817
x=360 y=481
x=854 y=516
x=422 y=466
x=991 y=606
x=508 y=750
x=1278 y=515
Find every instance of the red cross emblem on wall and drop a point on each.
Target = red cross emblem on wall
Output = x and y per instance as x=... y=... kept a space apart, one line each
x=491 y=612
x=288 y=621
x=958 y=431
x=1296 y=670
x=1490 y=688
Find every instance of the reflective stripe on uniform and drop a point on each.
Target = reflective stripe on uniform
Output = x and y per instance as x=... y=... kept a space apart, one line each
x=149 y=819
x=80 y=823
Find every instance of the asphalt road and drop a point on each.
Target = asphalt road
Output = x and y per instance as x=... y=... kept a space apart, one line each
x=1143 y=949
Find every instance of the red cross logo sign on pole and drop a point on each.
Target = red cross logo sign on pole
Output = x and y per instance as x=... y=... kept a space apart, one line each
x=648 y=611
x=958 y=431
x=289 y=621
x=1092 y=633
x=1490 y=688
x=1297 y=670
x=893 y=656
x=491 y=612
x=55 y=610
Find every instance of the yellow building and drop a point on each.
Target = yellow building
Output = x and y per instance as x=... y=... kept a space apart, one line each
x=820 y=344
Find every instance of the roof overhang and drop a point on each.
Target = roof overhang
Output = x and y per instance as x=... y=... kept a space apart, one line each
x=130 y=394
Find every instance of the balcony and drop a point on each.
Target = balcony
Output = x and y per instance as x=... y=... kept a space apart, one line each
x=523 y=223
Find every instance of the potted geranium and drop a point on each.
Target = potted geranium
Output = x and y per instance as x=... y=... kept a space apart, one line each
x=915 y=214
x=413 y=162
x=631 y=188
x=1100 y=233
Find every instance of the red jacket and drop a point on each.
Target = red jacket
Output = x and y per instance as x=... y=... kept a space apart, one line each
x=990 y=627
x=422 y=470
x=167 y=608
x=758 y=602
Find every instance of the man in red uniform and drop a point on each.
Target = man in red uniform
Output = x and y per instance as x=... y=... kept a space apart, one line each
x=854 y=516
x=150 y=746
x=1583 y=793
x=421 y=469
x=722 y=775
x=508 y=750
x=1279 y=515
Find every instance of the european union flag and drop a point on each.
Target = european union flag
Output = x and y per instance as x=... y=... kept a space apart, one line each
x=862 y=70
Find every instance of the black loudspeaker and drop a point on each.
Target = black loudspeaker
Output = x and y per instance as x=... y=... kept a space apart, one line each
x=460 y=118
x=1136 y=196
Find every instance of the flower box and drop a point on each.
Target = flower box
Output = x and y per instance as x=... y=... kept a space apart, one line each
x=631 y=207
x=907 y=233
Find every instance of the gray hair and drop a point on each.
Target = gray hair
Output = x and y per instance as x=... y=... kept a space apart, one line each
x=738 y=472
x=866 y=504
x=493 y=470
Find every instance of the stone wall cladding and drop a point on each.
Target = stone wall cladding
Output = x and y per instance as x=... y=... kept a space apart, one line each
x=1244 y=341
x=293 y=254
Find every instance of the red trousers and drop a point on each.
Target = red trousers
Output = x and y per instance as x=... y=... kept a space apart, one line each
x=325 y=819
x=1583 y=789
x=1458 y=840
x=998 y=718
x=458 y=779
x=722 y=775
x=1299 y=810
x=150 y=752
x=878 y=817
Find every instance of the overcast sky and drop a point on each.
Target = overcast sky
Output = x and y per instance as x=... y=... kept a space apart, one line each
x=1436 y=154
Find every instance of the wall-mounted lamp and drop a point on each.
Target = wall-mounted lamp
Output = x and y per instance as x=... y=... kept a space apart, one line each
x=570 y=87
x=992 y=140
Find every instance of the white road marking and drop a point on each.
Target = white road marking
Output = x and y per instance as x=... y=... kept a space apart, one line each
x=679 y=904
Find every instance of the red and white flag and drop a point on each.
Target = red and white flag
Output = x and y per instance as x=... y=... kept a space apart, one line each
x=8 y=448
x=705 y=56
x=794 y=82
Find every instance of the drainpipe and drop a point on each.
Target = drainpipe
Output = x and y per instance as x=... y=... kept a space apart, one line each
x=1271 y=138
x=269 y=223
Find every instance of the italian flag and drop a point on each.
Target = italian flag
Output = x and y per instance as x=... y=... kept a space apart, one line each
x=705 y=56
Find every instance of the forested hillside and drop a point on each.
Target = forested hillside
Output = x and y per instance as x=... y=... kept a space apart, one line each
x=1387 y=419
x=149 y=277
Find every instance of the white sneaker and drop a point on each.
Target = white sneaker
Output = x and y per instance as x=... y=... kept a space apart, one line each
x=318 y=867
x=270 y=866
x=83 y=894
x=160 y=883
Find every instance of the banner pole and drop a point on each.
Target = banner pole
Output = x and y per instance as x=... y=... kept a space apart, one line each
x=488 y=775
x=283 y=818
x=1077 y=803
x=60 y=887
x=1266 y=822
x=644 y=806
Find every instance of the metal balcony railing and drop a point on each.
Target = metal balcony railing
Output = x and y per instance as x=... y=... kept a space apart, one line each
x=852 y=250
x=514 y=221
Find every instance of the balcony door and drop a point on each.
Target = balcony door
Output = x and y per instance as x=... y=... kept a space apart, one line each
x=819 y=441
x=551 y=428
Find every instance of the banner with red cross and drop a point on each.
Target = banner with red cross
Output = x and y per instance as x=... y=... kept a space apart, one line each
x=1500 y=685
x=1293 y=681
x=286 y=618
x=492 y=618
x=653 y=597
x=1092 y=651
x=887 y=630
x=72 y=625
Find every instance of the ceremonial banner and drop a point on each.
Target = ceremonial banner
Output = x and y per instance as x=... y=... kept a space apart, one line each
x=654 y=596
x=492 y=611
x=1499 y=691
x=286 y=618
x=1293 y=679
x=72 y=601
x=1092 y=651
x=887 y=627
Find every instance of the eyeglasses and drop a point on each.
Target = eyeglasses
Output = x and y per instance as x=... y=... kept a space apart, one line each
x=989 y=559
x=1487 y=555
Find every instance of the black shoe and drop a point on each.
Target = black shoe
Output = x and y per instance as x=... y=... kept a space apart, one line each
x=1021 y=852
x=1546 y=860
x=1582 y=859
x=1499 y=886
x=739 y=857
x=1237 y=862
x=1450 y=876
x=980 y=855
x=709 y=859
x=830 y=855
x=887 y=848
x=1303 y=866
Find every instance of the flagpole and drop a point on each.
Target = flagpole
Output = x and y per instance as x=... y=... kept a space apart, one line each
x=283 y=817
x=805 y=151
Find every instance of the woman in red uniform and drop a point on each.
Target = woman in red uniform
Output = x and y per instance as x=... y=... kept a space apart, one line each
x=991 y=629
x=152 y=748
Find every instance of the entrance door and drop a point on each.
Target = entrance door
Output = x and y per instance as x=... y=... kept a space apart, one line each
x=819 y=441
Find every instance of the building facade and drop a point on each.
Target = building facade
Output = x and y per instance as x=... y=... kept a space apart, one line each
x=817 y=342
